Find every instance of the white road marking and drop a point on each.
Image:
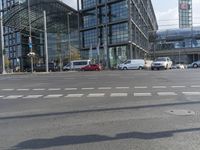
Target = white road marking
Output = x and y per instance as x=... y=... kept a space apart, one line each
x=105 y=88
x=159 y=87
x=54 y=89
x=96 y=95
x=122 y=87
x=32 y=96
x=140 y=87
x=70 y=89
x=142 y=94
x=195 y=86
x=1 y=96
x=118 y=94
x=166 y=93
x=13 y=97
x=191 y=93
x=74 y=95
x=87 y=88
x=23 y=89
x=54 y=96
x=178 y=86
x=7 y=89
x=38 y=89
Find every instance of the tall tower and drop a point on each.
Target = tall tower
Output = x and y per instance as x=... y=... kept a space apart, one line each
x=185 y=13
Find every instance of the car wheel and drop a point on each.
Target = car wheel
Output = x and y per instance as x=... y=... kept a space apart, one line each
x=195 y=66
x=140 y=68
x=125 y=68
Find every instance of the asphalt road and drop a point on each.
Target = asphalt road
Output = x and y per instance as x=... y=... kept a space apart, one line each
x=108 y=110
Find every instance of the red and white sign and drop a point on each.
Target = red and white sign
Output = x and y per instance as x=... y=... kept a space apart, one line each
x=184 y=6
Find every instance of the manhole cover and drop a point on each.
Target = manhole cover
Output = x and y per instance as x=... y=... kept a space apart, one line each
x=181 y=112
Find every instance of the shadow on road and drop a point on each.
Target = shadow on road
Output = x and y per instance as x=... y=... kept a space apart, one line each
x=83 y=139
x=97 y=110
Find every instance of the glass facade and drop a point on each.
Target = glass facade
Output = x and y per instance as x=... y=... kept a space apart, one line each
x=185 y=13
x=119 y=30
x=60 y=37
x=179 y=42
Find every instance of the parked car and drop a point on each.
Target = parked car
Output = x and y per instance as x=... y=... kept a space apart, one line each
x=132 y=64
x=162 y=63
x=178 y=66
x=196 y=64
x=42 y=67
x=76 y=65
x=92 y=67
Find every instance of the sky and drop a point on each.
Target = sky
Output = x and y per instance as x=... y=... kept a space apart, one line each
x=166 y=12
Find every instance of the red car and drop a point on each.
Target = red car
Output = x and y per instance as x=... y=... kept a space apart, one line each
x=92 y=67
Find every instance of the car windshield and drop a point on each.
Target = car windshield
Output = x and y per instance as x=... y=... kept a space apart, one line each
x=161 y=59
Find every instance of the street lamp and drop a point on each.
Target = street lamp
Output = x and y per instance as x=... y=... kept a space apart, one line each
x=2 y=43
x=30 y=36
x=69 y=43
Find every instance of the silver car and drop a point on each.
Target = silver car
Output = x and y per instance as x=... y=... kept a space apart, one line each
x=196 y=64
x=162 y=63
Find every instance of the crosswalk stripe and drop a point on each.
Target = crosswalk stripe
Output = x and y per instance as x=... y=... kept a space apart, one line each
x=119 y=94
x=38 y=89
x=23 y=89
x=96 y=95
x=166 y=93
x=195 y=86
x=142 y=94
x=74 y=95
x=87 y=88
x=1 y=96
x=54 y=89
x=140 y=87
x=104 y=88
x=7 y=89
x=70 y=89
x=122 y=87
x=32 y=96
x=191 y=93
x=159 y=87
x=54 y=96
x=13 y=96
x=178 y=86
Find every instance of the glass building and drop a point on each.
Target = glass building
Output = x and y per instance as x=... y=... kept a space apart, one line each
x=62 y=31
x=113 y=31
x=181 y=45
x=185 y=13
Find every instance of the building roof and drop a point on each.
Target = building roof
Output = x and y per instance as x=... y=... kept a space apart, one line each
x=17 y=16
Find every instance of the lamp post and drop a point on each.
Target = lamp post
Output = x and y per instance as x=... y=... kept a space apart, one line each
x=30 y=36
x=69 y=43
x=2 y=43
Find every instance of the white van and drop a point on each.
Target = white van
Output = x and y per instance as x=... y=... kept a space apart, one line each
x=132 y=64
x=76 y=64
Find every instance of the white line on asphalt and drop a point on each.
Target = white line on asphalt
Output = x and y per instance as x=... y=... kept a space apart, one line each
x=23 y=89
x=105 y=88
x=191 y=93
x=70 y=89
x=1 y=96
x=7 y=89
x=140 y=87
x=195 y=86
x=32 y=96
x=87 y=88
x=119 y=94
x=54 y=89
x=142 y=94
x=96 y=95
x=178 y=86
x=74 y=95
x=159 y=87
x=54 y=96
x=38 y=89
x=122 y=87
x=166 y=93
x=13 y=96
